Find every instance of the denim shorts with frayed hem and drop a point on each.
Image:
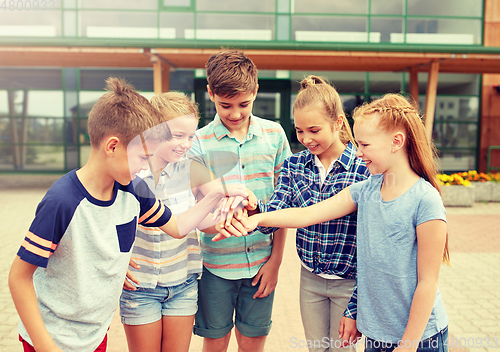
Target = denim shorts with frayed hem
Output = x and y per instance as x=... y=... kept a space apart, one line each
x=147 y=305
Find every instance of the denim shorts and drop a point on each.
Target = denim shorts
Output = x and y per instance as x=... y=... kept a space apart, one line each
x=435 y=343
x=147 y=305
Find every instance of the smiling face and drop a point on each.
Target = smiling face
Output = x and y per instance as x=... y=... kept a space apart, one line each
x=374 y=144
x=234 y=112
x=182 y=129
x=315 y=131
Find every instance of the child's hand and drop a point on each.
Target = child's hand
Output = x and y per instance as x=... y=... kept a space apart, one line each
x=348 y=331
x=234 y=190
x=227 y=207
x=51 y=348
x=237 y=203
x=234 y=227
x=230 y=205
x=252 y=200
x=127 y=285
x=251 y=222
x=239 y=226
x=232 y=196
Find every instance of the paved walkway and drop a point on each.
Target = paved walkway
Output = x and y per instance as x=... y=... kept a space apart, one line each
x=470 y=287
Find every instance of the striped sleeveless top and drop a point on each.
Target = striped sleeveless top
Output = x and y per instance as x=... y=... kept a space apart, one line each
x=167 y=261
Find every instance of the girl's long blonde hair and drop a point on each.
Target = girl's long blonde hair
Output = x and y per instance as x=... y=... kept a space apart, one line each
x=397 y=113
x=318 y=89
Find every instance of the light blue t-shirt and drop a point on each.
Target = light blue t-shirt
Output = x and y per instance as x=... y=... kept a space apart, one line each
x=387 y=257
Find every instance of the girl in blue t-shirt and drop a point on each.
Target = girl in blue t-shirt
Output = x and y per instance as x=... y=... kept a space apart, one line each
x=401 y=233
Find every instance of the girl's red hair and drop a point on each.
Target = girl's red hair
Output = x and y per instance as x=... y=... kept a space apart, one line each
x=396 y=112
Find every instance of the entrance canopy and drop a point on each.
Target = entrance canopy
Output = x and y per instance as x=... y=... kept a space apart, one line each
x=482 y=60
x=321 y=60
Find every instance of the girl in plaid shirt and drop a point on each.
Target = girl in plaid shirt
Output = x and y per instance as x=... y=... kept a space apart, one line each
x=327 y=250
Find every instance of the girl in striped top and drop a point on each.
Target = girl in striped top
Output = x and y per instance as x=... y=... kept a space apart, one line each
x=159 y=312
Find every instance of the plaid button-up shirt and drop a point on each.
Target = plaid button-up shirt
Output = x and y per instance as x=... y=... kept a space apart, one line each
x=329 y=247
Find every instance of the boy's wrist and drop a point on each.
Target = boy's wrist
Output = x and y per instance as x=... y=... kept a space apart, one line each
x=215 y=194
x=214 y=197
x=275 y=258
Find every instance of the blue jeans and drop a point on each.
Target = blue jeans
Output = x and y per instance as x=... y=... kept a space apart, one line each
x=435 y=343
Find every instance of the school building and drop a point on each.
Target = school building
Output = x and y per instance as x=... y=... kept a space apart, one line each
x=56 y=54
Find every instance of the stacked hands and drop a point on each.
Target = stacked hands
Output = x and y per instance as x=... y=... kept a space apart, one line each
x=233 y=212
x=230 y=215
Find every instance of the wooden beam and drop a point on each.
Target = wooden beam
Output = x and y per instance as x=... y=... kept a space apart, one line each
x=165 y=80
x=430 y=100
x=308 y=60
x=157 y=75
x=414 y=86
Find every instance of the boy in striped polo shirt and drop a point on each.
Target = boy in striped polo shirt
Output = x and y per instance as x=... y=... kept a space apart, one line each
x=240 y=273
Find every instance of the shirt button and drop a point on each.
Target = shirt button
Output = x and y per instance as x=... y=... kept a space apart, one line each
x=242 y=166
x=316 y=237
x=241 y=145
x=248 y=249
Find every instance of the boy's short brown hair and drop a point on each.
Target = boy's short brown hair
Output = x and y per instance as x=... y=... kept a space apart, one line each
x=230 y=73
x=124 y=113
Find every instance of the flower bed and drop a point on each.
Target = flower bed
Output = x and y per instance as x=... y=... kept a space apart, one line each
x=458 y=195
x=465 y=188
x=487 y=186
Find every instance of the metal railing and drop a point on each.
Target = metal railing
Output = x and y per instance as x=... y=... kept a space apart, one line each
x=489 y=167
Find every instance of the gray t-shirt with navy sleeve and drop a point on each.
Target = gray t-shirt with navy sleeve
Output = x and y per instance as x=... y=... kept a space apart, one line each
x=387 y=257
x=82 y=248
